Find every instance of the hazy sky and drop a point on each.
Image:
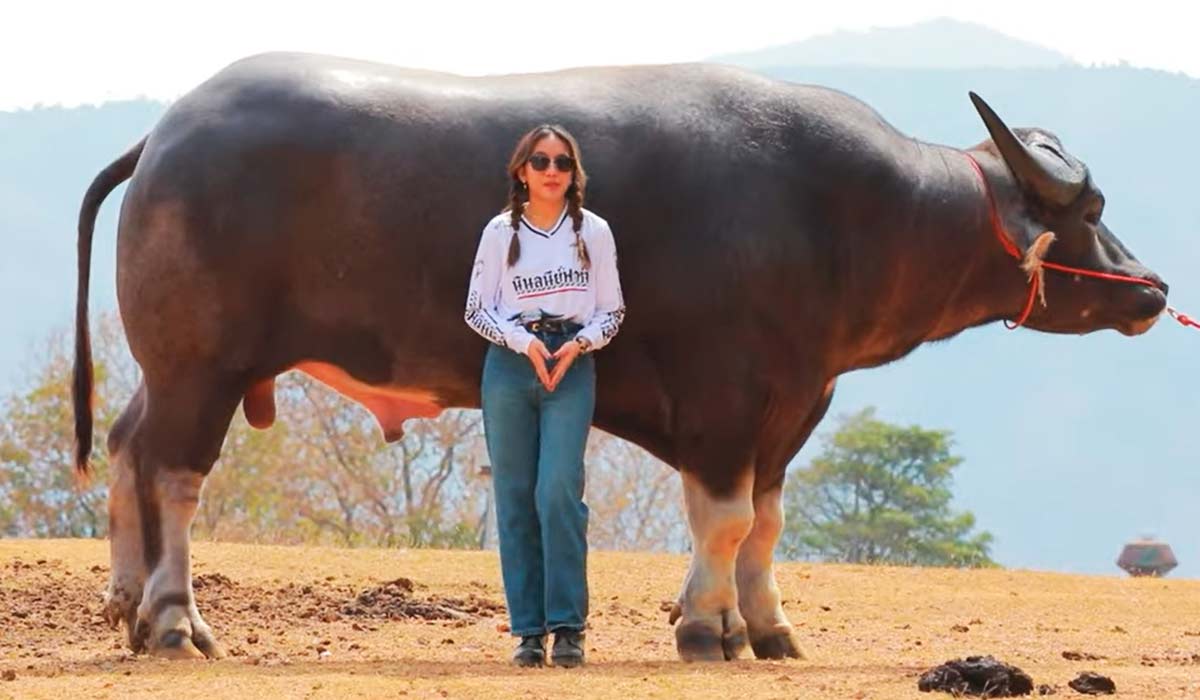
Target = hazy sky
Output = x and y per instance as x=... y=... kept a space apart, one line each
x=68 y=52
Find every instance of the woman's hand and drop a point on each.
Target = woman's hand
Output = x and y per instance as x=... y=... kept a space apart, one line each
x=538 y=354
x=563 y=359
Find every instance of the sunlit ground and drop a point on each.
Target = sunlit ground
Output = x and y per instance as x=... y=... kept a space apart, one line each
x=869 y=632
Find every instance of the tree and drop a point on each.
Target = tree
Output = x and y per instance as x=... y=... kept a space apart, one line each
x=424 y=491
x=636 y=500
x=40 y=495
x=880 y=493
x=321 y=474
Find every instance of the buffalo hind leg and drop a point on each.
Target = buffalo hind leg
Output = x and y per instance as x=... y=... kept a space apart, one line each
x=177 y=441
x=711 y=628
x=127 y=557
x=167 y=615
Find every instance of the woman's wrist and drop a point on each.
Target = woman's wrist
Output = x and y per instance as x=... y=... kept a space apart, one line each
x=584 y=344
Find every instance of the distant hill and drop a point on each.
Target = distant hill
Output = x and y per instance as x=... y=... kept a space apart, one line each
x=48 y=157
x=1072 y=444
x=941 y=43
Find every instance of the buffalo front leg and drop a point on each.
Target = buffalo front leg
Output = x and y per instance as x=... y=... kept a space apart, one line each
x=771 y=633
x=711 y=628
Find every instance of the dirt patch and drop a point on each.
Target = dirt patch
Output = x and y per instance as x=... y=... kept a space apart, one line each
x=869 y=632
x=211 y=581
x=982 y=676
x=397 y=599
x=46 y=607
x=43 y=596
x=1171 y=659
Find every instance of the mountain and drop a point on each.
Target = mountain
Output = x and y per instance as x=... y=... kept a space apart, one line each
x=48 y=157
x=941 y=43
x=1073 y=445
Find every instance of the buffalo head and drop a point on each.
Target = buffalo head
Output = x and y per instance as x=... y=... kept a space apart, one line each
x=1054 y=191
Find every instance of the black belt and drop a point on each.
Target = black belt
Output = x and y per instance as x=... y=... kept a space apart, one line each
x=553 y=327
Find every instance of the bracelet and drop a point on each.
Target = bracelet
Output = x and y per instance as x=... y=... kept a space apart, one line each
x=584 y=343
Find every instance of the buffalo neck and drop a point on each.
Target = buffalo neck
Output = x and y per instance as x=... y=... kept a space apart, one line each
x=932 y=265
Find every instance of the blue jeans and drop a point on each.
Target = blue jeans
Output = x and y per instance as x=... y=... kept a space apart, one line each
x=536 y=439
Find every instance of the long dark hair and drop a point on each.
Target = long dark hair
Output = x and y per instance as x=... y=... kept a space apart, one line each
x=518 y=192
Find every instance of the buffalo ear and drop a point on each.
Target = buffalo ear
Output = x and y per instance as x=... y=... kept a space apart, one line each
x=1051 y=178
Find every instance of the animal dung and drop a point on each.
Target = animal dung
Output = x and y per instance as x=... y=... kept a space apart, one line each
x=982 y=676
x=1090 y=683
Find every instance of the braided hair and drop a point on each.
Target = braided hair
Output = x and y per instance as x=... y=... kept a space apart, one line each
x=518 y=190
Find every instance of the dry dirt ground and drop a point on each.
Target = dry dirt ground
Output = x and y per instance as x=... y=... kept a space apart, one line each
x=366 y=623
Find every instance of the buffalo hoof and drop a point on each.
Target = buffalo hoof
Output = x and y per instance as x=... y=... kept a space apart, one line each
x=204 y=641
x=120 y=606
x=719 y=639
x=779 y=644
x=176 y=644
x=179 y=633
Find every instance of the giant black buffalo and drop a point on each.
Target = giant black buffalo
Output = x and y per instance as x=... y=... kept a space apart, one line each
x=315 y=213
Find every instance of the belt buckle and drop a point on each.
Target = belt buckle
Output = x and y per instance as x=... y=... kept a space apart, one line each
x=535 y=326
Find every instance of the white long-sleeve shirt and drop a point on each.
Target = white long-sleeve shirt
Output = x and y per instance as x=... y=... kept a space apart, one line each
x=547 y=280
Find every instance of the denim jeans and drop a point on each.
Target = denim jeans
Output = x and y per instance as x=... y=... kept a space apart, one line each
x=536 y=439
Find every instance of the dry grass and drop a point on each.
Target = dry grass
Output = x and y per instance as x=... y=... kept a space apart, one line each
x=868 y=631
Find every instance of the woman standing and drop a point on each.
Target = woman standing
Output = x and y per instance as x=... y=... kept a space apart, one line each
x=545 y=292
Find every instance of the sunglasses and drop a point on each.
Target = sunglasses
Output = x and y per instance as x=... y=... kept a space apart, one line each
x=541 y=161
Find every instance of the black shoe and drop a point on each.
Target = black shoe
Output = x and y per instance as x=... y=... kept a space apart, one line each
x=568 y=648
x=531 y=651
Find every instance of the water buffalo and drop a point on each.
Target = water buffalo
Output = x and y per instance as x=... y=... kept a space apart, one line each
x=315 y=213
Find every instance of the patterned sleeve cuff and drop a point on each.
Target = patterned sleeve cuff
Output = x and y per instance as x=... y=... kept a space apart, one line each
x=518 y=340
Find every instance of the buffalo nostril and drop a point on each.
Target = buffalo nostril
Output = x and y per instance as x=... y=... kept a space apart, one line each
x=1156 y=281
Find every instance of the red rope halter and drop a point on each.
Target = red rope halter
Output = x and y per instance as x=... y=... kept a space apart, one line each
x=1011 y=248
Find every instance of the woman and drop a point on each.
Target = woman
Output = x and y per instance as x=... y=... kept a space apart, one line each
x=545 y=292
